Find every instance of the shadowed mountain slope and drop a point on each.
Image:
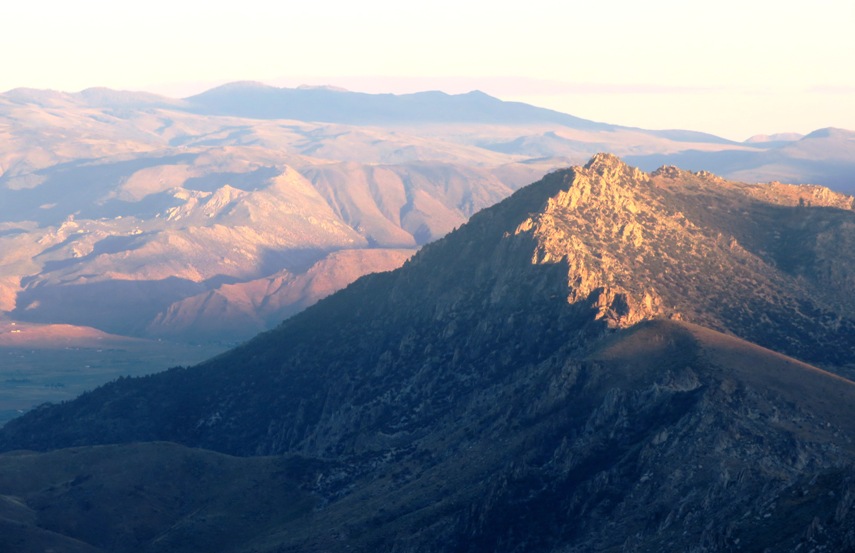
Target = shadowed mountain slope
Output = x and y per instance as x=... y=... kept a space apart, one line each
x=143 y=497
x=666 y=436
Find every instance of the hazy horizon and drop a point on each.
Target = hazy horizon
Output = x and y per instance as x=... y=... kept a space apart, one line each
x=732 y=69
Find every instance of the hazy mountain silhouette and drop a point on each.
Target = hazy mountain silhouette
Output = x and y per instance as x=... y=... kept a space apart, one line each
x=822 y=157
x=259 y=101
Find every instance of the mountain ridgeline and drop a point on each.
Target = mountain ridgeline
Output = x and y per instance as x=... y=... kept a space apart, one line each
x=259 y=101
x=209 y=219
x=606 y=360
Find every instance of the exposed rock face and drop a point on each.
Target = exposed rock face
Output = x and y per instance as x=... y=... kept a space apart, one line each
x=549 y=377
x=601 y=199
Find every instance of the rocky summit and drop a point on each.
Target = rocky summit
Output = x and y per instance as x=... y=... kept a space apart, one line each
x=608 y=360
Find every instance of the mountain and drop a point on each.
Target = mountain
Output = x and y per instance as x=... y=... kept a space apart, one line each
x=821 y=157
x=198 y=222
x=122 y=211
x=118 y=208
x=777 y=139
x=666 y=437
x=607 y=359
x=323 y=104
x=113 y=507
x=244 y=309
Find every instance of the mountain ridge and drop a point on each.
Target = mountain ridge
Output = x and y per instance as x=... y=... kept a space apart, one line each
x=107 y=194
x=535 y=380
x=568 y=263
x=256 y=100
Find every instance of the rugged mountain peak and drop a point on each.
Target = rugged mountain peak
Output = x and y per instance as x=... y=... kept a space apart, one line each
x=670 y=172
x=606 y=198
x=604 y=159
x=680 y=176
x=692 y=246
x=605 y=182
x=221 y=197
x=613 y=168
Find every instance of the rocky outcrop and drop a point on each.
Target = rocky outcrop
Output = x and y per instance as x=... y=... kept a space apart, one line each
x=602 y=199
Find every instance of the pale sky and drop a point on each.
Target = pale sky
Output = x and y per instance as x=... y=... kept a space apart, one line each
x=731 y=67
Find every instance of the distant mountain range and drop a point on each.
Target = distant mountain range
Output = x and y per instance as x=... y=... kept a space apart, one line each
x=606 y=360
x=142 y=215
x=823 y=157
x=327 y=105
